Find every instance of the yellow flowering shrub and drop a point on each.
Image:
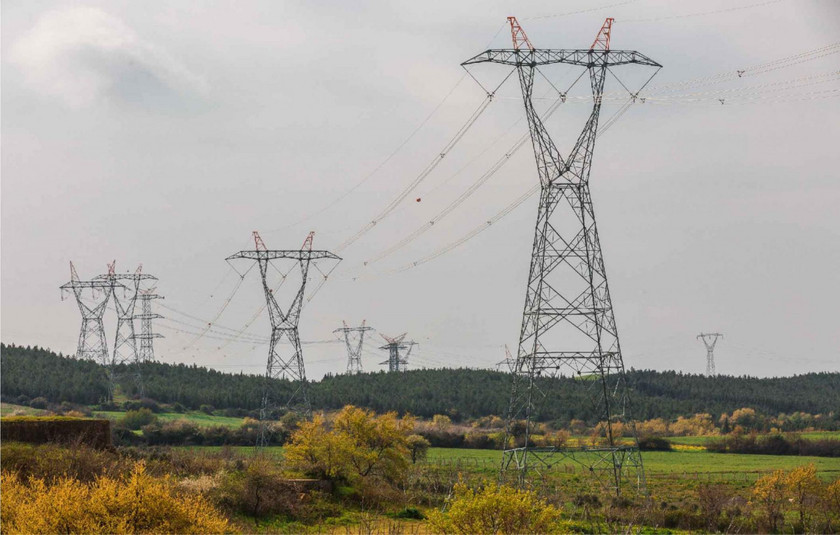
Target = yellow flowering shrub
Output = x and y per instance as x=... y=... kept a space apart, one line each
x=769 y=496
x=139 y=503
x=495 y=509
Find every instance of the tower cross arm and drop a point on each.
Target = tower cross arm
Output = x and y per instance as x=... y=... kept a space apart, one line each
x=546 y=56
x=126 y=277
x=96 y=283
x=293 y=255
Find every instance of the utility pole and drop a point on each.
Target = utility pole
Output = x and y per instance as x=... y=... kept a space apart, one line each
x=395 y=362
x=285 y=355
x=568 y=326
x=125 y=342
x=710 y=340
x=147 y=334
x=93 y=344
x=354 y=348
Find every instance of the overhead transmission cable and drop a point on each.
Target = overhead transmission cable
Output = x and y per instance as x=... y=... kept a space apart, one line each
x=506 y=210
x=762 y=68
x=562 y=95
x=381 y=164
x=702 y=13
x=406 y=191
x=497 y=165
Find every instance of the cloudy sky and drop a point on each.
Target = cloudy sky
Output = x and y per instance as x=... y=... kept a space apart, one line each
x=165 y=132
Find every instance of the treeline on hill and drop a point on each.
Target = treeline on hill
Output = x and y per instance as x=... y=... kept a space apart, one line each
x=460 y=393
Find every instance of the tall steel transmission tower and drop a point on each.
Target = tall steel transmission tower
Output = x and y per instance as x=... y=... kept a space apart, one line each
x=147 y=334
x=285 y=356
x=354 y=347
x=125 y=341
x=397 y=362
x=93 y=344
x=568 y=327
x=710 y=340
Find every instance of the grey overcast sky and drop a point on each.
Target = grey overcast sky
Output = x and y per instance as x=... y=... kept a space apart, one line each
x=165 y=132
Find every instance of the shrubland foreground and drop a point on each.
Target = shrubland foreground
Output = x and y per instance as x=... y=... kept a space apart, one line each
x=358 y=472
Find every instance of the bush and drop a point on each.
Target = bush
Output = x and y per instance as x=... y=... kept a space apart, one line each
x=144 y=403
x=257 y=491
x=360 y=445
x=411 y=513
x=495 y=509
x=207 y=409
x=121 y=436
x=654 y=444
x=182 y=432
x=418 y=446
x=776 y=444
x=136 y=419
x=39 y=403
x=48 y=461
x=137 y=504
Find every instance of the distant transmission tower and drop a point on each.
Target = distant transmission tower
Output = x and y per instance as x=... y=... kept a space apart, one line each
x=285 y=356
x=509 y=364
x=710 y=340
x=147 y=334
x=354 y=347
x=397 y=362
x=568 y=325
x=92 y=342
x=125 y=342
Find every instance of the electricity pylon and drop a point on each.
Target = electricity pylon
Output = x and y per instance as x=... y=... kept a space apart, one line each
x=147 y=334
x=125 y=346
x=354 y=348
x=396 y=362
x=509 y=363
x=568 y=325
x=285 y=356
x=710 y=340
x=93 y=344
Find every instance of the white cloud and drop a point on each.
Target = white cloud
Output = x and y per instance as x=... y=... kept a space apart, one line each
x=82 y=54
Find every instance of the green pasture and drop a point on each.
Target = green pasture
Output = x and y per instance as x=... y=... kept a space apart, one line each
x=662 y=463
x=198 y=418
x=7 y=409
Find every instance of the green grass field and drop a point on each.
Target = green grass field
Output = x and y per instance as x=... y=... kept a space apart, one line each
x=665 y=463
x=198 y=418
x=7 y=409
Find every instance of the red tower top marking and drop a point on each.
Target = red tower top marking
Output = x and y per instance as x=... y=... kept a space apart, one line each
x=518 y=35
x=307 y=243
x=602 y=41
x=259 y=245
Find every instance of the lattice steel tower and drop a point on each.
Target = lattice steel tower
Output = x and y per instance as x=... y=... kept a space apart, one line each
x=93 y=344
x=397 y=362
x=125 y=346
x=710 y=340
x=354 y=346
x=568 y=327
x=147 y=335
x=285 y=356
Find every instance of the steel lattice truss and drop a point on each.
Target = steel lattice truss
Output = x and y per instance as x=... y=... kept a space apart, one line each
x=354 y=347
x=125 y=341
x=397 y=362
x=93 y=344
x=285 y=355
x=147 y=335
x=568 y=326
x=710 y=341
